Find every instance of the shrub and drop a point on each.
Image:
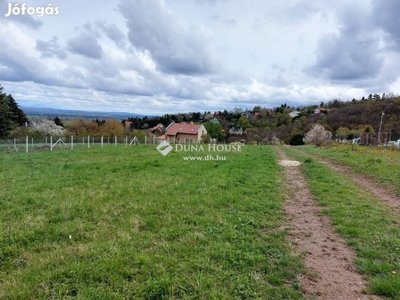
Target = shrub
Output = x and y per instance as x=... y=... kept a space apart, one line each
x=317 y=135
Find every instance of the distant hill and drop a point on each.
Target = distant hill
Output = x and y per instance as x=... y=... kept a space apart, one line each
x=34 y=112
x=345 y=119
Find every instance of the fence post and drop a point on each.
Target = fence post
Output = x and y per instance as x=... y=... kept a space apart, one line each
x=15 y=143
x=27 y=144
x=101 y=141
x=115 y=140
x=145 y=140
x=32 y=143
x=51 y=143
x=88 y=141
x=72 y=142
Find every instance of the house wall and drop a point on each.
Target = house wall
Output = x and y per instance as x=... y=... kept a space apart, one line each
x=202 y=130
x=170 y=139
x=181 y=138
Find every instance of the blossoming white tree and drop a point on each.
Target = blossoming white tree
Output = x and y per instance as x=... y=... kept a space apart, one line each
x=48 y=127
x=317 y=135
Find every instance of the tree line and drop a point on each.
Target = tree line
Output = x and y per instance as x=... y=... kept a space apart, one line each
x=345 y=119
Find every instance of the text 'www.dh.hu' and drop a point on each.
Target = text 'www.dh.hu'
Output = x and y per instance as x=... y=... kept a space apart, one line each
x=208 y=157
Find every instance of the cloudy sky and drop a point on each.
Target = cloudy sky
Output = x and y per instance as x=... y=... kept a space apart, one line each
x=168 y=56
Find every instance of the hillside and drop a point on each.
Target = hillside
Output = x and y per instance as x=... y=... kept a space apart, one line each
x=346 y=120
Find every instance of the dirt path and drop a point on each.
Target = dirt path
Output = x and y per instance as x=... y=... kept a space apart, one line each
x=370 y=184
x=331 y=273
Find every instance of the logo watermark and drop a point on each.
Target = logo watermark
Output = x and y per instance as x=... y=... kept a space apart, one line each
x=165 y=148
x=24 y=9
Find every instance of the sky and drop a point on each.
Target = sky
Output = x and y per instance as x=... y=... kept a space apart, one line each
x=170 y=56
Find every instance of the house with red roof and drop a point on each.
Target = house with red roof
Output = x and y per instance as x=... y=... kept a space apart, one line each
x=159 y=128
x=184 y=133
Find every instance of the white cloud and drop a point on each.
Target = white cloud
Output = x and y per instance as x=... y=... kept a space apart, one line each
x=154 y=56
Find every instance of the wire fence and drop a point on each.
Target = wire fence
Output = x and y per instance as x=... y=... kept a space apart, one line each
x=30 y=144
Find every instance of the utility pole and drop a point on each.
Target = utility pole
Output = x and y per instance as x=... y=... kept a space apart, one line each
x=380 y=126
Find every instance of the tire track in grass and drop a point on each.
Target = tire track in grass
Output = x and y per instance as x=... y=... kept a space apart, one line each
x=331 y=273
x=370 y=184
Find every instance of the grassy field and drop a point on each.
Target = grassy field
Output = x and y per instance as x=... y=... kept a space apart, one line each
x=382 y=163
x=369 y=226
x=128 y=223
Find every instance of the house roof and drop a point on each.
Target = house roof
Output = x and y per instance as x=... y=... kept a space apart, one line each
x=321 y=109
x=185 y=128
x=158 y=127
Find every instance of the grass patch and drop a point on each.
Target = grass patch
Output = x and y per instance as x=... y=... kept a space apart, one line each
x=382 y=163
x=127 y=223
x=370 y=227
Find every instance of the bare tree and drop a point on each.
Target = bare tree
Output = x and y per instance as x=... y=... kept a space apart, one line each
x=317 y=135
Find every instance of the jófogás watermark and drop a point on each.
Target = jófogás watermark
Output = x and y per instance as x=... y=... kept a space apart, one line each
x=39 y=11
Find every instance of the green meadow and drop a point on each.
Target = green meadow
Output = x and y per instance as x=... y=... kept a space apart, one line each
x=128 y=223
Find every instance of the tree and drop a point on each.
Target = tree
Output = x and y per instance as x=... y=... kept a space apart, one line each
x=237 y=110
x=214 y=130
x=111 y=128
x=342 y=133
x=376 y=97
x=58 y=122
x=317 y=135
x=48 y=127
x=11 y=116
x=81 y=127
x=295 y=138
x=244 y=122
x=17 y=116
x=5 y=125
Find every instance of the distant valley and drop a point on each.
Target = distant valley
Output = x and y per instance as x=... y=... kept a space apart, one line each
x=39 y=112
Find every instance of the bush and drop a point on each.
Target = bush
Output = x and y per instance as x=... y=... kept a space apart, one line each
x=296 y=140
x=318 y=135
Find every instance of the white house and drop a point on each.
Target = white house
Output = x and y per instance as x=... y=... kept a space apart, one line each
x=294 y=113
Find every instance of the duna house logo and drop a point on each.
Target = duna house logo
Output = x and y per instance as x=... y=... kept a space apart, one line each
x=164 y=148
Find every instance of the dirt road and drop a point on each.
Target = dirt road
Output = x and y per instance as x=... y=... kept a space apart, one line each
x=331 y=273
